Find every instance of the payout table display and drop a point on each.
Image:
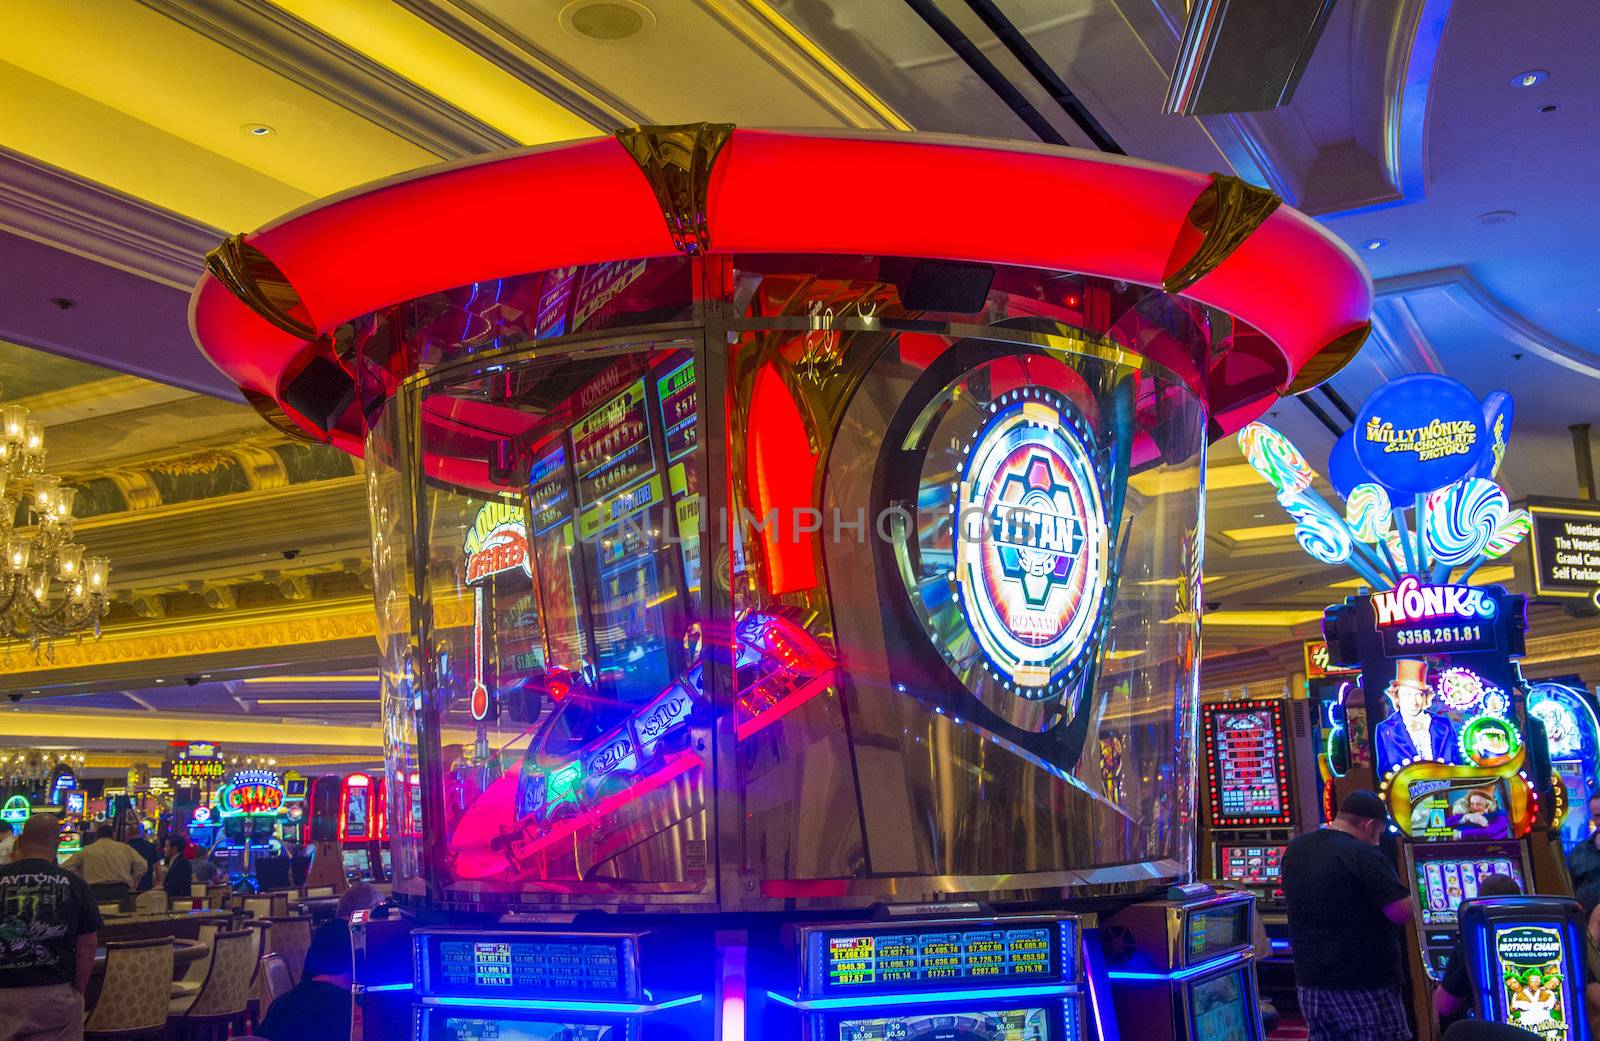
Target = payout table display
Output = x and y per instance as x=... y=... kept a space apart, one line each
x=505 y=966
x=1246 y=769
x=938 y=957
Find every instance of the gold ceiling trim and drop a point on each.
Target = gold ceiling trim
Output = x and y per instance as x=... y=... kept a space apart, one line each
x=762 y=27
x=1225 y=213
x=260 y=285
x=194 y=506
x=1326 y=363
x=287 y=625
x=677 y=161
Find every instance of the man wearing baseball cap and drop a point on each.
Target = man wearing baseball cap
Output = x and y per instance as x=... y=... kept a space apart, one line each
x=1346 y=908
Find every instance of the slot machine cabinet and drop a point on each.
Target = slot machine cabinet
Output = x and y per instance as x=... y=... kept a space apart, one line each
x=1444 y=874
x=512 y=983
x=1526 y=963
x=1259 y=787
x=1018 y=977
x=1184 y=968
x=363 y=819
x=1574 y=736
x=861 y=549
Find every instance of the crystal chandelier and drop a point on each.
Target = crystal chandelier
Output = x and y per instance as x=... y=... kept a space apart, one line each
x=48 y=589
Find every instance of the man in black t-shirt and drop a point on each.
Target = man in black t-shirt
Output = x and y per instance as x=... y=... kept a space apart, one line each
x=48 y=922
x=1346 y=906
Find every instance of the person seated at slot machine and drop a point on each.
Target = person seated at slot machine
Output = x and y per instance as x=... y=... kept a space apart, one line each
x=1346 y=907
x=1411 y=731
x=318 y=1008
x=1583 y=860
x=1452 y=998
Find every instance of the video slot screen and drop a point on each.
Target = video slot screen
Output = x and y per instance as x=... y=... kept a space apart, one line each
x=1213 y=930
x=1246 y=765
x=439 y=1027
x=492 y=965
x=1252 y=865
x=611 y=445
x=1443 y=882
x=940 y=956
x=1014 y=1024
x=1222 y=1008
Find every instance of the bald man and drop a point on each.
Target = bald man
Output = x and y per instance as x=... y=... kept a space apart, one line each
x=48 y=922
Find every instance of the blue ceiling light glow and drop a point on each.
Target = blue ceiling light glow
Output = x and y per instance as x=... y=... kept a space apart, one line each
x=1529 y=78
x=1373 y=245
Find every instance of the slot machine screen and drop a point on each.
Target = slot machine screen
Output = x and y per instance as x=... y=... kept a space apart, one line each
x=1446 y=876
x=1223 y=1008
x=356 y=862
x=437 y=1025
x=1251 y=865
x=1212 y=930
x=994 y=954
x=1246 y=768
x=1459 y=808
x=1014 y=1024
x=355 y=812
x=501 y=965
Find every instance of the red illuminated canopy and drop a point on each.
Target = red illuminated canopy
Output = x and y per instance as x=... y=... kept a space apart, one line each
x=782 y=192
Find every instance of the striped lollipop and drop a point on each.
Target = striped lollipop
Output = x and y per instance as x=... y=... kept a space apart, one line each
x=1462 y=518
x=1513 y=530
x=1367 y=512
x=1275 y=458
x=1318 y=529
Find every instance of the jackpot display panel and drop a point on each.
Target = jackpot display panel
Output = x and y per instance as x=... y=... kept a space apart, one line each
x=1006 y=977
x=796 y=509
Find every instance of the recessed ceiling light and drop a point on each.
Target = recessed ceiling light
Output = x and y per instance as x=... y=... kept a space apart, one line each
x=1529 y=78
x=1373 y=245
x=1495 y=217
x=257 y=129
x=607 y=21
x=1547 y=108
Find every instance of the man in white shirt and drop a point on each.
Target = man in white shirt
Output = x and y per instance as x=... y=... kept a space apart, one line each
x=111 y=868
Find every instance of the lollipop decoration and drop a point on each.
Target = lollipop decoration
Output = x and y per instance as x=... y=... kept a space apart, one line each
x=1388 y=465
x=1275 y=457
x=1461 y=519
x=1368 y=513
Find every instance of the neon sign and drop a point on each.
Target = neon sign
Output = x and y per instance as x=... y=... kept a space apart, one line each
x=1031 y=553
x=251 y=792
x=17 y=810
x=496 y=542
x=1411 y=601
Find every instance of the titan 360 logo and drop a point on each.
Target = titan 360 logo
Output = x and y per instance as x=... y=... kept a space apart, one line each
x=1031 y=547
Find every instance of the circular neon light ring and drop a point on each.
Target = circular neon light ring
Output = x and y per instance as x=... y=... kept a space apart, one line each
x=1031 y=547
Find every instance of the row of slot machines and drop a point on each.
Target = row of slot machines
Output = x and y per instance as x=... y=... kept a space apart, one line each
x=1177 y=968
x=1264 y=783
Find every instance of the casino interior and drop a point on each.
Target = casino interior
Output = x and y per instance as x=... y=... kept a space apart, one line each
x=798 y=520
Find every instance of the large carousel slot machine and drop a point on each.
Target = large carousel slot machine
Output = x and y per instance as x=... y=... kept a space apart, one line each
x=832 y=671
